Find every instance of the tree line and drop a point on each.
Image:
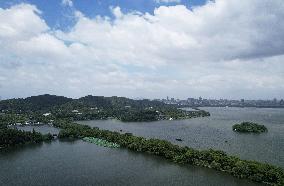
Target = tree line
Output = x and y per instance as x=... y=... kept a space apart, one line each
x=93 y=107
x=215 y=159
x=12 y=137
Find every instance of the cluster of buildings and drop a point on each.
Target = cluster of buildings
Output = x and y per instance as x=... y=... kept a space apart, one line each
x=200 y=102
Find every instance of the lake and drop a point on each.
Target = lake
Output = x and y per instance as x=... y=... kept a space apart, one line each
x=82 y=163
x=216 y=132
x=44 y=129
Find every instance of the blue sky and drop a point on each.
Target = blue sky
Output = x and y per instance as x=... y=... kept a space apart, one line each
x=58 y=16
x=177 y=48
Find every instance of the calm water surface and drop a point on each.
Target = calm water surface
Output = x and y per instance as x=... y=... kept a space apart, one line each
x=44 y=129
x=81 y=163
x=216 y=132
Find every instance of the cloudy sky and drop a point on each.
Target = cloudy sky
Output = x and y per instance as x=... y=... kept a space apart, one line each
x=142 y=48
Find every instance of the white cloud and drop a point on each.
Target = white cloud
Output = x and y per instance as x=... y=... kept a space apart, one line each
x=67 y=3
x=20 y=22
x=228 y=48
x=117 y=12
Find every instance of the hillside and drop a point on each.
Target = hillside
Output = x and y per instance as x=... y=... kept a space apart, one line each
x=94 y=107
x=39 y=103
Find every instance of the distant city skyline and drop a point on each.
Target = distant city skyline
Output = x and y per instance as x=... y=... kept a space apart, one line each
x=146 y=48
x=167 y=98
x=201 y=102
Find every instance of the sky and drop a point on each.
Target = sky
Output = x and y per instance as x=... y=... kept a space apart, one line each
x=142 y=49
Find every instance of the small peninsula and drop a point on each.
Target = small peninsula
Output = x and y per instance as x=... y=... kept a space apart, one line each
x=249 y=127
x=47 y=109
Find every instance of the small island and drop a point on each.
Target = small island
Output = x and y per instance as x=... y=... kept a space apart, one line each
x=62 y=113
x=249 y=127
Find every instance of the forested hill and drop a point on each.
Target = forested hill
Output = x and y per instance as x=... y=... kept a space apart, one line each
x=48 y=102
x=115 y=102
x=94 y=107
x=34 y=103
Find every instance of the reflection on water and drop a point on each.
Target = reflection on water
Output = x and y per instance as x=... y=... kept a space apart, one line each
x=44 y=129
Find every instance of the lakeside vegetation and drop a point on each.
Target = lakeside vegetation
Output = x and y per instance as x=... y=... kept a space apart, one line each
x=101 y=142
x=13 y=137
x=218 y=160
x=10 y=136
x=46 y=108
x=63 y=114
x=249 y=127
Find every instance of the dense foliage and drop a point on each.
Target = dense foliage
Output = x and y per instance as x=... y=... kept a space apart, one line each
x=249 y=127
x=93 y=107
x=63 y=111
x=12 y=137
x=218 y=160
x=143 y=115
x=39 y=103
x=101 y=142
